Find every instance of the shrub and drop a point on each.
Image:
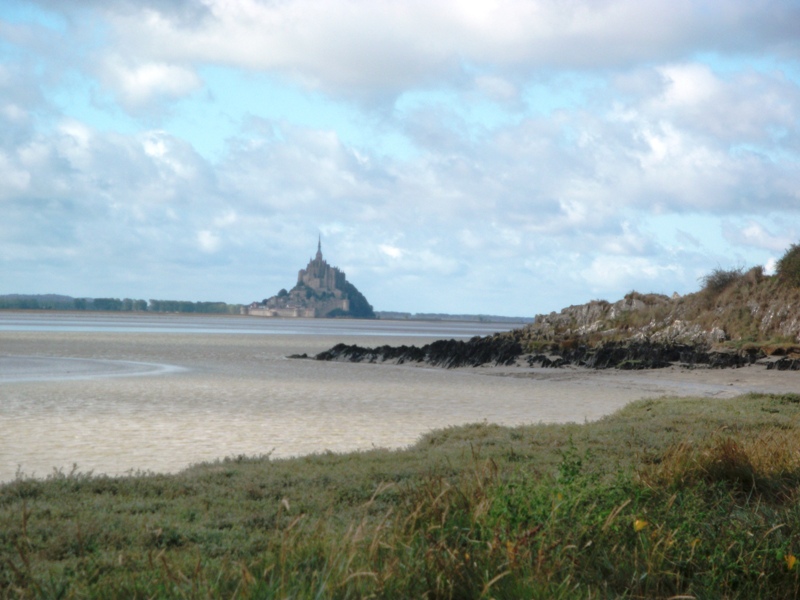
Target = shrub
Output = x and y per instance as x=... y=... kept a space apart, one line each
x=755 y=275
x=719 y=279
x=788 y=267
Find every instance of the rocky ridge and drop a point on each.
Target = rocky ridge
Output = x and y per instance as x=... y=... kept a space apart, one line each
x=752 y=319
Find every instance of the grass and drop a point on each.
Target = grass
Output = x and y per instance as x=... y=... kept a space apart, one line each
x=666 y=498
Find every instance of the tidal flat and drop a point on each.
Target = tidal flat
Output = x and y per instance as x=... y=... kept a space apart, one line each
x=116 y=402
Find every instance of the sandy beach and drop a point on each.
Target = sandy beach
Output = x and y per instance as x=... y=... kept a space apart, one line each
x=117 y=403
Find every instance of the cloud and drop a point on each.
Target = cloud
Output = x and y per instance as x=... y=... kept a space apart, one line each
x=607 y=273
x=687 y=238
x=20 y=101
x=755 y=235
x=747 y=107
x=391 y=251
x=379 y=49
x=208 y=241
x=138 y=87
x=497 y=88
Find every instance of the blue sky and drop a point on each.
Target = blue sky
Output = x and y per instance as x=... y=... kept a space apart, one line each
x=503 y=157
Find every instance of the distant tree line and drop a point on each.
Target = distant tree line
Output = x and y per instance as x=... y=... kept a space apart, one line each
x=184 y=306
x=54 y=302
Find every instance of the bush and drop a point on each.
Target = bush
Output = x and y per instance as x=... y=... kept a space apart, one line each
x=719 y=279
x=788 y=267
x=755 y=275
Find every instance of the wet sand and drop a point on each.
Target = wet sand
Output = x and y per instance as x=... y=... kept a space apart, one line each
x=121 y=402
x=38 y=368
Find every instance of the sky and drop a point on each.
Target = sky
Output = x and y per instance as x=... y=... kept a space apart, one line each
x=501 y=157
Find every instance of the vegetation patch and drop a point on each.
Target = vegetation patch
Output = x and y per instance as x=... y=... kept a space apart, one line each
x=719 y=279
x=788 y=267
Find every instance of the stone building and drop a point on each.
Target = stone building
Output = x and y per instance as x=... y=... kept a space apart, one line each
x=321 y=291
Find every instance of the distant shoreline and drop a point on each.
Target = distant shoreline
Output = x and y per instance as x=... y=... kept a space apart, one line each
x=399 y=316
x=412 y=318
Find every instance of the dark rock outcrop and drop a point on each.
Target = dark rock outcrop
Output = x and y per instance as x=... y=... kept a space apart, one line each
x=498 y=350
x=640 y=354
x=784 y=364
x=506 y=350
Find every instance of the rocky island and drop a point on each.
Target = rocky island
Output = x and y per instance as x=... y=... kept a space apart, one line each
x=321 y=291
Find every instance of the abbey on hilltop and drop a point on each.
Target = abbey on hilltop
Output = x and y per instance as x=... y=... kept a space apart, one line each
x=321 y=291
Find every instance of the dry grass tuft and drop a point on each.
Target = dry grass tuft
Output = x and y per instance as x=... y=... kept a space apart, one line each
x=766 y=463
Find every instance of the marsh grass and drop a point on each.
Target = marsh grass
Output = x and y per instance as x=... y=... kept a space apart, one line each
x=666 y=498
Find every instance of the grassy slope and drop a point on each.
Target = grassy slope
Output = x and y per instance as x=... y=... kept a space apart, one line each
x=751 y=309
x=666 y=497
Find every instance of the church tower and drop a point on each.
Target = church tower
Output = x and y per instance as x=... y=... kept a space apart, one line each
x=319 y=275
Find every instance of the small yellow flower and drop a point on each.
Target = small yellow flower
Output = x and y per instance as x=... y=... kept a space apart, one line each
x=640 y=524
x=791 y=561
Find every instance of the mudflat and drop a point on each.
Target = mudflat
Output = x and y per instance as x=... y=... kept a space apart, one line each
x=121 y=402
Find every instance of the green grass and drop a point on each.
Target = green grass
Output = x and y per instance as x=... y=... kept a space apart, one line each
x=670 y=497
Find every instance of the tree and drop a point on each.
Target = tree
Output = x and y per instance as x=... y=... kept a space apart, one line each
x=788 y=267
x=107 y=304
x=359 y=307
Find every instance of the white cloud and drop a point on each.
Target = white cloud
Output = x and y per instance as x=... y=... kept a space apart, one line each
x=391 y=251
x=744 y=107
x=755 y=235
x=227 y=219
x=14 y=113
x=13 y=180
x=382 y=47
x=497 y=88
x=612 y=273
x=771 y=266
x=139 y=86
x=688 y=85
x=207 y=241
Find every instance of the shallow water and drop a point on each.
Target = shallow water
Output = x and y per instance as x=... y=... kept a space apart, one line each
x=137 y=400
x=228 y=324
x=14 y=369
